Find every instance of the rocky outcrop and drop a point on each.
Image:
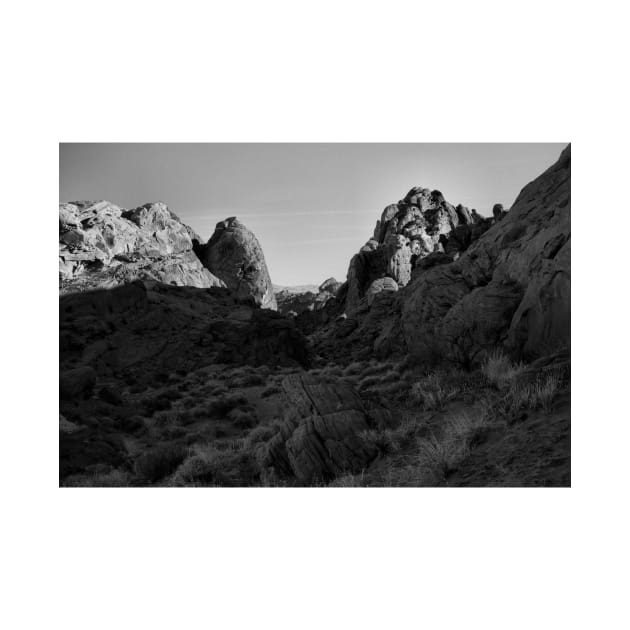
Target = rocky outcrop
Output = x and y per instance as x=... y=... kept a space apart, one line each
x=421 y=224
x=324 y=433
x=511 y=288
x=234 y=254
x=382 y=284
x=101 y=246
x=503 y=281
x=147 y=327
x=295 y=301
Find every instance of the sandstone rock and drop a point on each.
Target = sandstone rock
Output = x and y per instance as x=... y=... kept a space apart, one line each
x=300 y=299
x=511 y=287
x=407 y=232
x=322 y=434
x=234 y=254
x=382 y=284
x=102 y=245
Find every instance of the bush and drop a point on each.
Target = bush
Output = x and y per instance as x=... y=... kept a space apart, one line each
x=530 y=396
x=432 y=392
x=159 y=462
x=270 y=391
x=499 y=370
x=242 y=419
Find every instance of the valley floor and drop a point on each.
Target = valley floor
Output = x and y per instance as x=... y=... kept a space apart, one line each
x=505 y=425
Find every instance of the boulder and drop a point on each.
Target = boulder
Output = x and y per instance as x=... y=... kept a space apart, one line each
x=234 y=254
x=324 y=432
x=382 y=284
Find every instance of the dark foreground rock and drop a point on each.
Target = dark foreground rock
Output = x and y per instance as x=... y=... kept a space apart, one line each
x=324 y=433
x=144 y=327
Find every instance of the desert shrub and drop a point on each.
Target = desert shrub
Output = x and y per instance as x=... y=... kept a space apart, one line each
x=347 y=480
x=159 y=462
x=353 y=369
x=115 y=478
x=384 y=440
x=221 y=406
x=432 y=392
x=369 y=382
x=217 y=390
x=211 y=466
x=530 y=396
x=271 y=390
x=108 y=395
x=250 y=379
x=375 y=368
x=262 y=433
x=242 y=419
x=157 y=403
x=130 y=423
x=500 y=370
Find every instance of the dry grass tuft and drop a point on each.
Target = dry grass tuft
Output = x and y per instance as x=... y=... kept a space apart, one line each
x=499 y=369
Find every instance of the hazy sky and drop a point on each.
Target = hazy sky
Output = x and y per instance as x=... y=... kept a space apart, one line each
x=311 y=206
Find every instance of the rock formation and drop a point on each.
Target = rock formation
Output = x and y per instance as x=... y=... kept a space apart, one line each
x=146 y=327
x=408 y=231
x=294 y=301
x=323 y=433
x=102 y=245
x=234 y=254
x=510 y=287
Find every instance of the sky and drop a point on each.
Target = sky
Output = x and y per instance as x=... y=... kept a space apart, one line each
x=311 y=206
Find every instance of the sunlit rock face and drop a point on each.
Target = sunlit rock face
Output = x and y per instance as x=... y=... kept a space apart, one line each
x=102 y=245
x=234 y=254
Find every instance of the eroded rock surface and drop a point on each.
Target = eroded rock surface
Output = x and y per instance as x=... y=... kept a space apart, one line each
x=511 y=288
x=102 y=245
x=408 y=231
x=296 y=301
x=324 y=433
x=234 y=254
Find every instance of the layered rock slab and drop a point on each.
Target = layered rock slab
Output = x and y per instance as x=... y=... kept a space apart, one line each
x=324 y=433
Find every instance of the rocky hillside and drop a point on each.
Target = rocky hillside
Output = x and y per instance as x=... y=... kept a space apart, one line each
x=234 y=254
x=487 y=283
x=421 y=225
x=102 y=245
x=296 y=300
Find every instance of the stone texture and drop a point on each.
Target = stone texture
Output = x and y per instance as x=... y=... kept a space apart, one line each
x=146 y=327
x=102 y=246
x=511 y=287
x=321 y=436
x=382 y=284
x=234 y=254
x=407 y=232
x=298 y=300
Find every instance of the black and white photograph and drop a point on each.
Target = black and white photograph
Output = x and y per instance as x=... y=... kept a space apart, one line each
x=319 y=350
x=315 y=315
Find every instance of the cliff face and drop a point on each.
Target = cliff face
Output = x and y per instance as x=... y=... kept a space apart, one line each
x=498 y=282
x=511 y=288
x=419 y=226
x=234 y=254
x=103 y=246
